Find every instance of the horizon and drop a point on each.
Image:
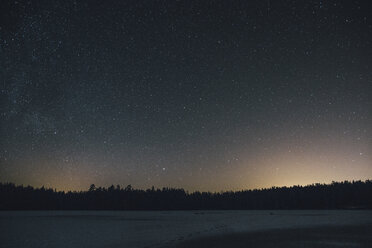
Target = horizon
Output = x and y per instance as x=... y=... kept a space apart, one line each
x=122 y=187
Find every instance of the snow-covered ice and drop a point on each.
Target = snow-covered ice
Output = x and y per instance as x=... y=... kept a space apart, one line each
x=152 y=229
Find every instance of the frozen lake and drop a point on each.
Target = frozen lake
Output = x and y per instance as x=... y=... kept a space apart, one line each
x=111 y=229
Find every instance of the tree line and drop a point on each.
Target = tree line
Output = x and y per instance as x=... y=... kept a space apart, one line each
x=337 y=195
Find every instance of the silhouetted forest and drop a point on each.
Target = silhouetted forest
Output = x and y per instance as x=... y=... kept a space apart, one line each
x=338 y=195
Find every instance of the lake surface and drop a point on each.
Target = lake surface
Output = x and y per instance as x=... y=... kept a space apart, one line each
x=128 y=229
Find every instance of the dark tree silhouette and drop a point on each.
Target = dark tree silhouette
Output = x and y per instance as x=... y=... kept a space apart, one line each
x=92 y=187
x=337 y=195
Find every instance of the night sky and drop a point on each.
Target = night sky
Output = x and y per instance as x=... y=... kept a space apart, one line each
x=204 y=95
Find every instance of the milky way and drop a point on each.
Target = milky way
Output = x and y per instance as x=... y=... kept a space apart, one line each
x=205 y=95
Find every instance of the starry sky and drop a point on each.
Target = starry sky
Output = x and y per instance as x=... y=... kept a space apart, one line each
x=204 y=95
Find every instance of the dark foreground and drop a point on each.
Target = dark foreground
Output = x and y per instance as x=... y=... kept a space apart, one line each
x=316 y=237
x=165 y=229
